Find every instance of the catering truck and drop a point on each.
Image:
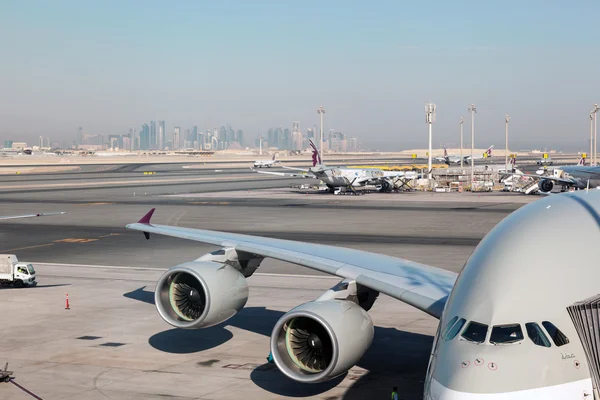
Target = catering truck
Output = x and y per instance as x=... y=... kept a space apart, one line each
x=13 y=272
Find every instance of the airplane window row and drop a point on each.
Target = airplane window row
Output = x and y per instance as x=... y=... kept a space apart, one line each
x=504 y=334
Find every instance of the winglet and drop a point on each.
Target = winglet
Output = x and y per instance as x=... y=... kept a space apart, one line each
x=146 y=218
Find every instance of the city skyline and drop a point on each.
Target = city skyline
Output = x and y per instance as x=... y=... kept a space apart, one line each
x=264 y=64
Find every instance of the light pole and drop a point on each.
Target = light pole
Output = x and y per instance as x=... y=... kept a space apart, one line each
x=462 y=121
x=260 y=145
x=321 y=112
x=506 y=119
x=596 y=109
x=429 y=119
x=591 y=138
x=472 y=109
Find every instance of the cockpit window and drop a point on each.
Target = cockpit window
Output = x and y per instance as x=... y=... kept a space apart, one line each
x=475 y=332
x=537 y=336
x=505 y=334
x=455 y=329
x=448 y=326
x=557 y=336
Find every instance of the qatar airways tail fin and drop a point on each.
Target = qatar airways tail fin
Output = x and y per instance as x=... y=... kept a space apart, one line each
x=489 y=150
x=316 y=156
x=581 y=161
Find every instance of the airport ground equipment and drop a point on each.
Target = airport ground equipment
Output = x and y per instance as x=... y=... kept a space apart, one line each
x=6 y=375
x=13 y=272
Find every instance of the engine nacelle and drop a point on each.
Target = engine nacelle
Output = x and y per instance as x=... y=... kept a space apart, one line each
x=545 y=185
x=200 y=294
x=320 y=340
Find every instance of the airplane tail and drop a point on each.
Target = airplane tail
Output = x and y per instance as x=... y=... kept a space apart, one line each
x=274 y=157
x=581 y=161
x=513 y=161
x=489 y=150
x=316 y=156
x=445 y=152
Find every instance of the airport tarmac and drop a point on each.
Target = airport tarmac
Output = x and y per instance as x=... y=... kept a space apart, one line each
x=110 y=272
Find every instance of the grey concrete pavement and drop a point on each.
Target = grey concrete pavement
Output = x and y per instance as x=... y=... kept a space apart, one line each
x=148 y=359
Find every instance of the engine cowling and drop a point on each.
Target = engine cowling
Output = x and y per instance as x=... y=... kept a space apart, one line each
x=320 y=340
x=546 y=185
x=198 y=295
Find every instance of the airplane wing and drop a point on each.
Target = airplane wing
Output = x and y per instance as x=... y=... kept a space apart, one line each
x=288 y=174
x=424 y=287
x=30 y=215
x=295 y=169
x=550 y=178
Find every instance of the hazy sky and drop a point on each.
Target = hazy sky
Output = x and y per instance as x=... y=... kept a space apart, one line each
x=111 y=65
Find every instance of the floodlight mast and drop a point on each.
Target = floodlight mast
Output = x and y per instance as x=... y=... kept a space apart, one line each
x=506 y=119
x=462 y=121
x=321 y=112
x=591 y=138
x=429 y=119
x=472 y=109
x=596 y=109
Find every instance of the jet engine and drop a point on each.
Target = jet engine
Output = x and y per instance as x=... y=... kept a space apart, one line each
x=320 y=340
x=200 y=294
x=546 y=185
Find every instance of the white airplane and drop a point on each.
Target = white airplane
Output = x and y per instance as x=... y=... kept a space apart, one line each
x=504 y=330
x=577 y=176
x=266 y=163
x=349 y=178
x=453 y=159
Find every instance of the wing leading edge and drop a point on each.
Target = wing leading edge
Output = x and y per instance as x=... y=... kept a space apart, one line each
x=424 y=287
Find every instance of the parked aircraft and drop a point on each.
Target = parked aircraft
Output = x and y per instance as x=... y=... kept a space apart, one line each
x=349 y=178
x=454 y=159
x=266 y=163
x=577 y=176
x=504 y=330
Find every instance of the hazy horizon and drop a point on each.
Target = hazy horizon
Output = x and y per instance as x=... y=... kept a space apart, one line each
x=113 y=65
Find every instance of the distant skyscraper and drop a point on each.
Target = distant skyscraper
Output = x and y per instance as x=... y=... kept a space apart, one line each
x=239 y=137
x=145 y=137
x=176 y=138
x=230 y=134
x=194 y=137
x=287 y=140
x=134 y=142
x=222 y=138
x=161 y=135
x=153 y=139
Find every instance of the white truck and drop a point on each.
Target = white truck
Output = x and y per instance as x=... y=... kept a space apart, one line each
x=13 y=272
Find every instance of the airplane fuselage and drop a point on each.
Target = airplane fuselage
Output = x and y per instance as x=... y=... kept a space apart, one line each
x=505 y=332
x=581 y=174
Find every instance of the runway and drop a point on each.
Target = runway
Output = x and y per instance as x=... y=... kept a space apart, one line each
x=78 y=252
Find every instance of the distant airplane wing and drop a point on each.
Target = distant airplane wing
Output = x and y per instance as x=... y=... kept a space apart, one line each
x=424 y=287
x=30 y=215
x=288 y=174
x=295 y=169
x=550 y=178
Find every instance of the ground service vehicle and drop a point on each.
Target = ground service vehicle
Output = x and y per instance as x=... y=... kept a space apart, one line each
x=15 y=273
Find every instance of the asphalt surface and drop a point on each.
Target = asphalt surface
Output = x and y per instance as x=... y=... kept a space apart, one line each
x=441 y=233
x=225 y=362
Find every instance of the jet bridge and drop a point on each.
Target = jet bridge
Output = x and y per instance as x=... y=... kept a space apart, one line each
x=586 y=318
